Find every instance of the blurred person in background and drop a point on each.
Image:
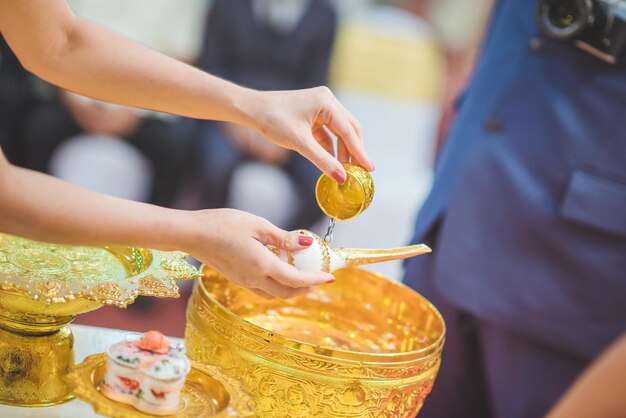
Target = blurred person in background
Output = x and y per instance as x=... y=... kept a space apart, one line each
x=17 y=95
x=115 y=149
x=526 y=220
x=460 y=28
x=268 y=45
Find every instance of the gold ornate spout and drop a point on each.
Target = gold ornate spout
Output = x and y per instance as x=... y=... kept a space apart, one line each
x=361 y=256
x=322 y=257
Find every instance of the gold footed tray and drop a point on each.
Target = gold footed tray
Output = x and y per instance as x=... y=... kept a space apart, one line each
x=208 y=392
x=42 y=289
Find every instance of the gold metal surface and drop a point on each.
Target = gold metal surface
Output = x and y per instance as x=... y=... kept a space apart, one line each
x=348 y=200
x=329 y=259
x=31 y=368
x=44 y=286
x=335 y=352
x=208 y=392
x=56 y=274
x=361 y=256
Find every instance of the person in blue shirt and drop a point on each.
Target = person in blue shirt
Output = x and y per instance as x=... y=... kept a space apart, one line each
x=266 y=45
x=527 y=220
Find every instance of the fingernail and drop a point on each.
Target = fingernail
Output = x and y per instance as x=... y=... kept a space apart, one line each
x=333 y=280
x=340 y=176
x=305 y=241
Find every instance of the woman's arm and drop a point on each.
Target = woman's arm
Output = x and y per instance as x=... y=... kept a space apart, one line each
x=599 y=391
x=40 y=207
x=79 y=56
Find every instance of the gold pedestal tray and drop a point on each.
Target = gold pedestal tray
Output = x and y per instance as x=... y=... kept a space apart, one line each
x=208 y=392
x=363 y=346
x=44 y=286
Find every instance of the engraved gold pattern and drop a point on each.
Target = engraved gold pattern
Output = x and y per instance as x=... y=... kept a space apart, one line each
x=325 y=253
x=55 y=273
x=297 y=378
x=346 y=201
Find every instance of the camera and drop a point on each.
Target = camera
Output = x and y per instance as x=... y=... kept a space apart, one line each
x=595 y=26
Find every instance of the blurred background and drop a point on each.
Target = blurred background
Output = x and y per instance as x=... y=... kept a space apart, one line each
x=397 y=65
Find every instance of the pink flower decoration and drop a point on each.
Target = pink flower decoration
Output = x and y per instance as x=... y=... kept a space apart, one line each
x=154 y=341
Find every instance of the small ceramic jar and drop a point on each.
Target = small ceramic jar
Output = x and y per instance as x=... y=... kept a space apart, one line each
x=148 y=373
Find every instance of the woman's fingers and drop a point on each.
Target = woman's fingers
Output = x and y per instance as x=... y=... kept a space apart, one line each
x=285 y=240
x=342 y=152
x=290 y=276
x=324 y=139
x=354 y=122
x=322 y=159
x=346 y=128
x=262 y=293
x=283 y=275
x=279 y=290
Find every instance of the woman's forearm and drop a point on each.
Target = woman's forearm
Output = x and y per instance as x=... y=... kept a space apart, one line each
x=599 y=391
x=83 y=57
x=51 y=42
x=40 y=207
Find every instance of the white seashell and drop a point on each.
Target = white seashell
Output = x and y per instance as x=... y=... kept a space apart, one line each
x=320 y=256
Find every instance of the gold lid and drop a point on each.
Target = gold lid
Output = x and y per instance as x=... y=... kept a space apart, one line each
x=348 y=200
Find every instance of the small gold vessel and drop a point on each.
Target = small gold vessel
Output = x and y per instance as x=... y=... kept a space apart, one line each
x=335 y=352
x=42 y=289
x=348 y=200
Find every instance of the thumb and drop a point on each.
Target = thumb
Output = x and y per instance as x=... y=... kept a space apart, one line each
x=288 y=241
x=326 y=162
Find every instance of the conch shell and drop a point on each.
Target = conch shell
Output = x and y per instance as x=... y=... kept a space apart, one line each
x=320 y=256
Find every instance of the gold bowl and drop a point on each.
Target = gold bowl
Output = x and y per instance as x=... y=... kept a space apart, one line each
x=362 y=347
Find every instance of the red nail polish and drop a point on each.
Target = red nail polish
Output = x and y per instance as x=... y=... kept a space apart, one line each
x=305 y=241
x=339 y=176
x=333 y=280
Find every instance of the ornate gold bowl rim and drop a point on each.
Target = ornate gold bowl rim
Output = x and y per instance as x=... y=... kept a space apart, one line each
x=303 y=348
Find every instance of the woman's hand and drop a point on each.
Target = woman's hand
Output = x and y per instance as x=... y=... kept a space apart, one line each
x=253 y=144
x=233 y=243
x=298 y=120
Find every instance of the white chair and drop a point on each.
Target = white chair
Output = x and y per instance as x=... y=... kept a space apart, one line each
x=104 y=164
x=263 y=190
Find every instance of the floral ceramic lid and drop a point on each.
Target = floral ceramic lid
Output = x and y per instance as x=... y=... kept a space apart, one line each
x=55 y=273
x=153 y=355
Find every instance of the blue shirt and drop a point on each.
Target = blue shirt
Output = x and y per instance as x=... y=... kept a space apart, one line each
x=529 y=195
